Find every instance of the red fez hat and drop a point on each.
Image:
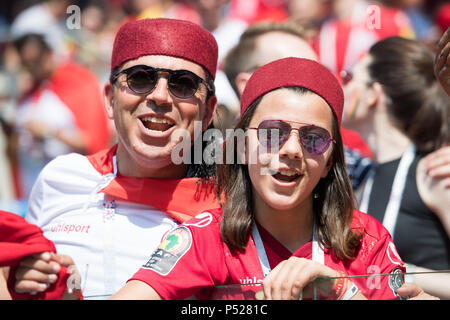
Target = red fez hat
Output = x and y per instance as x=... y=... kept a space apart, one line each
x=168 y=37
x=295 y=72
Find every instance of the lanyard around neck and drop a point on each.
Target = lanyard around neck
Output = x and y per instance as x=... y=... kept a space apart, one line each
x=398 y=186
x=317 y=250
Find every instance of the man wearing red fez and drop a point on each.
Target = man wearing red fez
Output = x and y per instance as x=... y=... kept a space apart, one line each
x=107 y=210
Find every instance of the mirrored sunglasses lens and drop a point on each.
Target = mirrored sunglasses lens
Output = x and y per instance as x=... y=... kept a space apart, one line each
x=183 y=85
x=271 y=132
x=315 y=140
x=142 y=81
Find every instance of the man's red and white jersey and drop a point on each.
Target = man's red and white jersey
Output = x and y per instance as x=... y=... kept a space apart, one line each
x=193 y=257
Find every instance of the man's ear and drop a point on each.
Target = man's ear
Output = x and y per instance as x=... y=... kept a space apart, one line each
x=241 y=81
x=210 y=110
x=108 y=95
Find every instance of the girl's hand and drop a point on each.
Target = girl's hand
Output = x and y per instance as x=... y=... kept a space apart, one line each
x=293 y=279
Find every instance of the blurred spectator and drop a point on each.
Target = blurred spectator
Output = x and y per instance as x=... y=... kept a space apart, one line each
x=183 y=10
x=310 y=14
x=217 y=19
x=94 y=39
x=403 y=114
x=442 y=17
x=257 y=47
x=355 y=25
x=48 y=19
x=226 y=29
x=7 y=105
x=421 y=22
x=63 y=112
x=262 y=43
x=253 y=11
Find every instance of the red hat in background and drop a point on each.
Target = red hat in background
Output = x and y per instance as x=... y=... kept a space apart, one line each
x=169 y=37
x=295 y=72
x=443 y=17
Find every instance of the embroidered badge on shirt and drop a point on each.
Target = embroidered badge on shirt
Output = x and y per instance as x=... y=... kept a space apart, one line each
x=396 y=280
x=172 y=247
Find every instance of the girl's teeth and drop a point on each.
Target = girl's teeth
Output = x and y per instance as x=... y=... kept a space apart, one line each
x=287 y=173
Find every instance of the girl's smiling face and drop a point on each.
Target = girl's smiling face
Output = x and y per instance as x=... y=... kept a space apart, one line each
x=284 y=179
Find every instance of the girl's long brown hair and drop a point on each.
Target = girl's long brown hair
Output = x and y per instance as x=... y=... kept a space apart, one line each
x=333 y=208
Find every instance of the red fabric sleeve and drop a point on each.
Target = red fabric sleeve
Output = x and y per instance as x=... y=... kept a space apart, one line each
x=378 y=256
x=384 y=260
x=19 y=239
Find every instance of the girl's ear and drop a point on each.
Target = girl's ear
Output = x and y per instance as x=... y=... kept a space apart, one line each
x=375 y=95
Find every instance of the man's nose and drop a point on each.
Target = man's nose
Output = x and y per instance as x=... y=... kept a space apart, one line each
x=160 y=94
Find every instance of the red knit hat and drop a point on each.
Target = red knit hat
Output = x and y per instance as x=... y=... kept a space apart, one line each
x=295 y=72
x=169 y=37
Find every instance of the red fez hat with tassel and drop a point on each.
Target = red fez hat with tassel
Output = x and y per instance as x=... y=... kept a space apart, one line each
x=295 y=72
x=168 y=37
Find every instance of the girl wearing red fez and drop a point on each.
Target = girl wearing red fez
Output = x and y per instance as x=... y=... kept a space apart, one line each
x=289 y=216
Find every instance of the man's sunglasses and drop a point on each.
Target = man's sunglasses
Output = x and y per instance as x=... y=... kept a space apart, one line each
x=315 y=140
x=142 y=79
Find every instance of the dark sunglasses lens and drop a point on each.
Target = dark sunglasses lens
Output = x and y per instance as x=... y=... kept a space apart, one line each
x=315 y=140
x=272 y=131
x=142 y=81
x=183 y=85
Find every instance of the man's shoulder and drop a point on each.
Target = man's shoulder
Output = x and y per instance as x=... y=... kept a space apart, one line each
x=206 y=218
x=206 y=223
x=69 y=168
x=67 y=161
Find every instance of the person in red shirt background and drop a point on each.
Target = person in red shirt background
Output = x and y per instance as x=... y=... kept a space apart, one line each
x=352 y=27
x=62 y=112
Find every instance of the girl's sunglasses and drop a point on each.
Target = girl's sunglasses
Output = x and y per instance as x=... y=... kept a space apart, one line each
x=142 y=79
x=315 y=140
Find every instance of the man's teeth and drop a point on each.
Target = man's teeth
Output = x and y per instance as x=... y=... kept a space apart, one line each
x=157 y=120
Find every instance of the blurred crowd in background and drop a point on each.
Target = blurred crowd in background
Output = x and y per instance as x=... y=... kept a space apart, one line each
x=55 y=59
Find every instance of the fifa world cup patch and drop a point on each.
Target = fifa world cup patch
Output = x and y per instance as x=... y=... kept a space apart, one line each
x=173 y=246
